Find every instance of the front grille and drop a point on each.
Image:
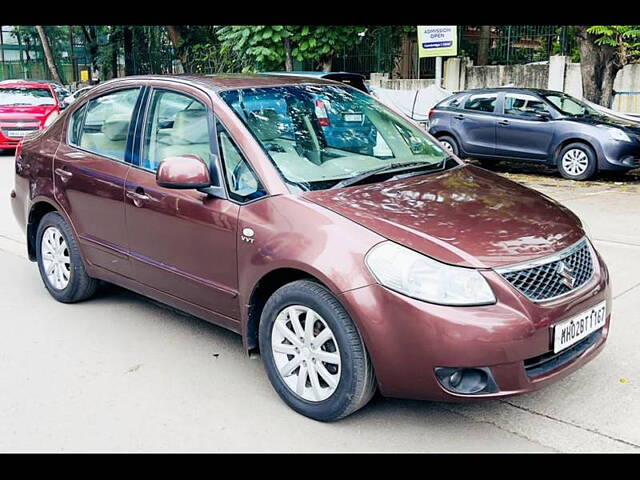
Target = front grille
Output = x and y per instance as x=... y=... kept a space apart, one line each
x=546 y=362
x=555 y=276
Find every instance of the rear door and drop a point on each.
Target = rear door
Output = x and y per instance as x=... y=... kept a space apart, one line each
x=521 y=131
x=475 y=124
x=90 y=168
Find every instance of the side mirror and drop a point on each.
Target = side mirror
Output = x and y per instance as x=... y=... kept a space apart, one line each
x=543 y=116
x=183 y=172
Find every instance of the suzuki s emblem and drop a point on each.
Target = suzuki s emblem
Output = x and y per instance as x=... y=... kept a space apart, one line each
x=247 y=235
x=566 y=272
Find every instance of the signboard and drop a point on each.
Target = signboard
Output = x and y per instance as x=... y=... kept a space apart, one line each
x=84 y=75
x=437 y=41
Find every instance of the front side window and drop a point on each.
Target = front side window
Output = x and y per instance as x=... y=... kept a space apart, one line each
x=106 y=123
x=570 y=106
x=483 y=102
x=242 y=182
x=523 y=105
x=16 y=96
x=176 y=125
x=319 y=135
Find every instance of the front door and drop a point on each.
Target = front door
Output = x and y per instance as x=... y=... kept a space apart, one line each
x=521 y=131
x=90 y=170
x=182 y=242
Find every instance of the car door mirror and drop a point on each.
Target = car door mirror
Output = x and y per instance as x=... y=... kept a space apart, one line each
x=183 y=172
x=543 y=116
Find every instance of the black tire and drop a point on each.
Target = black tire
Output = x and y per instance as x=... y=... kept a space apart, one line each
x=591 y=166
x=357 y=382
x=80 y=286
x=447 y=140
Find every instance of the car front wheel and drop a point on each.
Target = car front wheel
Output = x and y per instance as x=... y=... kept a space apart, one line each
x=60 y=263
x=313 y=353
x=577 y=161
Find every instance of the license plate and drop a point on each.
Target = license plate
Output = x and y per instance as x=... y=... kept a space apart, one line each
x=352 y=117
x=576 y=328
x=18 y=133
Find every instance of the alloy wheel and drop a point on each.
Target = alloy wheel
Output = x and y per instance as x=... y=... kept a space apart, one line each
x=447 y=146
x=55 y=258
x=306 y=353
x=575 y=161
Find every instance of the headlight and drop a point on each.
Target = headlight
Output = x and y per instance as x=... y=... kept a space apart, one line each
x=50 y=119
x=421 y=277
x=617 y=134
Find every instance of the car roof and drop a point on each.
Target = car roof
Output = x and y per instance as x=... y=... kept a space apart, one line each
x=230 y=81
x=311 y=73
x=24 y=83
x=539 y=91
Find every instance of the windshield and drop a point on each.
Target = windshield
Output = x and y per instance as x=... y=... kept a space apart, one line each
x=25 y=96
x=570 y=106
x=319 y=135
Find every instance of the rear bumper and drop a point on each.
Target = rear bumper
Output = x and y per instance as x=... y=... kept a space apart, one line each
x=407 y=339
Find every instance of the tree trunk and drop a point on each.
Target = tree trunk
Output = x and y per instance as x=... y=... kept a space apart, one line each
x=598 y=65
x=288 y=60
x=326 y=61
x=483 y=45
x=47 y=53
x=127 y=43
x=178 y=43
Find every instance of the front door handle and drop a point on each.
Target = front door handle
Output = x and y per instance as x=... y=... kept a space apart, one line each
x=503 y=122
x=459 y=117
x=138 y=196
x=65 y=175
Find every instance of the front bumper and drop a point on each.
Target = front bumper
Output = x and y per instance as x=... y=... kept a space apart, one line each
x=407 y=339
x=616 y=155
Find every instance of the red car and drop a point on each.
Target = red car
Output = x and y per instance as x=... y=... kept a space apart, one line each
x=25 y=107
x=400 y=269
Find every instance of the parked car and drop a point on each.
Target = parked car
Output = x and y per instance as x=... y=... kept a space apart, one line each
x=403 y=270
x=75 y=95
x=25 y=107
x=62 y=92
x=544 y=126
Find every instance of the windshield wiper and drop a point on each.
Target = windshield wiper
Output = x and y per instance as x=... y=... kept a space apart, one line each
x=392 y=166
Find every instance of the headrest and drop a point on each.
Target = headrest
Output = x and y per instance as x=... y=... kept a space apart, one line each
x=264 y=124
x=115 y=127
x=190 y=126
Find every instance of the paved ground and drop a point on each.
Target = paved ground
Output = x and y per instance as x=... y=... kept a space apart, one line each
x=119 y=373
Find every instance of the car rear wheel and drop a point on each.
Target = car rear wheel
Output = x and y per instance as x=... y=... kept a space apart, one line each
x=59 y=261
x=449 y=144
x=577 y=161
x=313 y=354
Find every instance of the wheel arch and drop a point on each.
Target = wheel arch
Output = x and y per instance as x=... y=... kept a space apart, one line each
x=567 y=141
x=262 y=290
x=37 y=211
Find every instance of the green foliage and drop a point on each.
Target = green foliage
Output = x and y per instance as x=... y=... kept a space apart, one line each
x=624 y=38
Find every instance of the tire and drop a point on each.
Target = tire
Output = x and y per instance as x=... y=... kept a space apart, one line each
x=353 y=378
x=73 y=284
x=577 y=161
x=450 y=145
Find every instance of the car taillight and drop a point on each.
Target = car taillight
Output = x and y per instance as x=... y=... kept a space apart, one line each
x=18 y=149
x=321 y=113
x=431 y=112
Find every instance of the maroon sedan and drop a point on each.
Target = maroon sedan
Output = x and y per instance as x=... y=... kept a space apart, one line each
x=334 y=235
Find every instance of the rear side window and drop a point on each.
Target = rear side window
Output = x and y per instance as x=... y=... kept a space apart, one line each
x=452 y=102
x=106 y=123
x=482 y=102
x=75 y=125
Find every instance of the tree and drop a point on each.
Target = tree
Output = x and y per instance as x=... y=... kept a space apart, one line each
x=604 y=50
x=51 y=64
x=484 y=44
x=274 y=46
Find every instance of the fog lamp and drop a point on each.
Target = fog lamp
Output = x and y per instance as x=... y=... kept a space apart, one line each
x=467 y=381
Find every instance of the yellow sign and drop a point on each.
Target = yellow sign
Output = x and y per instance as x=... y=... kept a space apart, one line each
x=437 y=41
x=84 y=75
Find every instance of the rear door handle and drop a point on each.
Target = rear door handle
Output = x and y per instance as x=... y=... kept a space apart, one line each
x=138 y=196
x=64 y=175
x=503 y=122
x=459 y=117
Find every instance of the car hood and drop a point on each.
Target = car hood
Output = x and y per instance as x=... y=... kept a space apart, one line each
x=610 y=121
x=39 y=112
x=465 y=216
